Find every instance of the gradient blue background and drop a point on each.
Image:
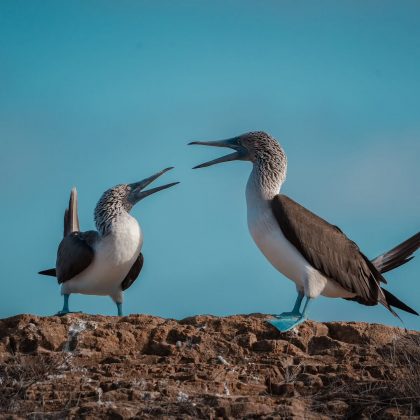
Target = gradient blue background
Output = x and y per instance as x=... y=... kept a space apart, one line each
x=96 y=93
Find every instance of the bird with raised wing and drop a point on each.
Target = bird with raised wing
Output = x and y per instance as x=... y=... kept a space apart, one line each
x=107 y=261
x=316 y=255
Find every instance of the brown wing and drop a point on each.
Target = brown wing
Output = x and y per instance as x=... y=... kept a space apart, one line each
x=75 y=254
x=133 y=273
x=328 y=250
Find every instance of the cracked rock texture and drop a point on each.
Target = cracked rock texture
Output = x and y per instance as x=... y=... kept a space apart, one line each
x=139 y=366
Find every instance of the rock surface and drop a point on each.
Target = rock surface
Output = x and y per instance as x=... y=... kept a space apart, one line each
x=83 y=366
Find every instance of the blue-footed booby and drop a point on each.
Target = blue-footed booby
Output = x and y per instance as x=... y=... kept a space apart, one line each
x=316 y=255
x=107 y=261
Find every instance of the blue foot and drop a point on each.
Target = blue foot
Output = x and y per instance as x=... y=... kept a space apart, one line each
x=288 y=315
x=61 y=313
x=289 y=320
x=285 y=323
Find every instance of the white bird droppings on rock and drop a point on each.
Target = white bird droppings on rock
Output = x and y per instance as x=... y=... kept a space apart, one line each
x=182 y=397
x=222 y=360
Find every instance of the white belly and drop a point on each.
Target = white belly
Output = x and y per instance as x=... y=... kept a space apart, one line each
x=282 y=254
x=115 y=254
x=276 y=248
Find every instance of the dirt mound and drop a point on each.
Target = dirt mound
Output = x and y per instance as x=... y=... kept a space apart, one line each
x=83 y=366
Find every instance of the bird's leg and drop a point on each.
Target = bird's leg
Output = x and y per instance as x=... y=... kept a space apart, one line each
x=65 y=309
x=119 y=308
x=296 y=309
x=305 y=308
x=298 y=302
x=289 y=320
x=66 y=304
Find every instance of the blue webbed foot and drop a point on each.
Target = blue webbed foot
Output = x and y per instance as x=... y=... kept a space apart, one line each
x=62 y=313
x=287 y=321
x=292 y=314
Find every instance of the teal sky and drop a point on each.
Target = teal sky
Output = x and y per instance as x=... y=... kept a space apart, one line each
x=97 y=93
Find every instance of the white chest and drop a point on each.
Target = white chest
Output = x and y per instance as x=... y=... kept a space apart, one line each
x=122 y=245
x=269 y=238
x=115 y=254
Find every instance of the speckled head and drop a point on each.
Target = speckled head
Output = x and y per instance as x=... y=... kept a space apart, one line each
x=256 y=146
x=122 y=198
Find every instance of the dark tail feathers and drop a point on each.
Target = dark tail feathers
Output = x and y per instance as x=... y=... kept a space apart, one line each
x=71 y=217
x=71 y=224
x=397 y=256
x=392 y=300
x=50 y=272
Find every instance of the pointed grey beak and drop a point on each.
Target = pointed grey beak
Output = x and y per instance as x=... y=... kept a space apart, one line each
x=137 y=192
x=233 y=143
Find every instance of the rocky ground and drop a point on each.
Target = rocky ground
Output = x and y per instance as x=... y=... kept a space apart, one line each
x=83 y=366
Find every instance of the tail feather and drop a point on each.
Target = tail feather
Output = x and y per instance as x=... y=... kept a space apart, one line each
x=50 y=272
x=71 y=224
x=397 y=256
x=392 y=300
x=71 y=217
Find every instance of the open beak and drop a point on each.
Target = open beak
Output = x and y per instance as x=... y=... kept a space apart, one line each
x=241 y=152
x=137 y=192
